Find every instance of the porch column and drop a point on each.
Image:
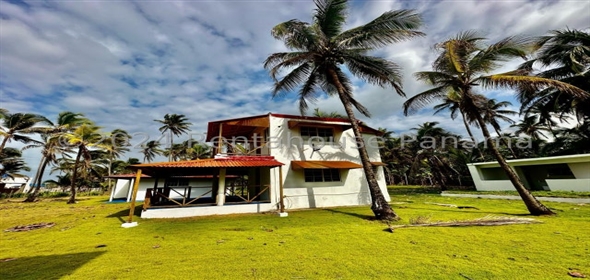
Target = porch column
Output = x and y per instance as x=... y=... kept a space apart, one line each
x=135 y=187
x=221 y=187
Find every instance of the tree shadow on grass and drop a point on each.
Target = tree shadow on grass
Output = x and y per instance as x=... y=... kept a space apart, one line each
x=45 y=267
x=124 y=214
x=362 y=216
x=470 y=211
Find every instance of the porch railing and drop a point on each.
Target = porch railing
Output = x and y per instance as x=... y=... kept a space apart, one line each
x=163 y=196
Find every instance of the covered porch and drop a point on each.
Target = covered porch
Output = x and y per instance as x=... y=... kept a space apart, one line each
x=240 y=183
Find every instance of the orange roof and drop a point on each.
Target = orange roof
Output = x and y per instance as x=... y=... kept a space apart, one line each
x=228 y=162
x=132 y=176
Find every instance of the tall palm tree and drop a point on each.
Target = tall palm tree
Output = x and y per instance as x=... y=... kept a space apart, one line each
x=565 y=56
x=83 y=138
x=464 y=62
x=320 y=49
x=18 y=126
x=175 y=125
x=52 y=145
x=150 y=150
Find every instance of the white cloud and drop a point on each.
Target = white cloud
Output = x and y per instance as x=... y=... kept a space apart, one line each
x=125 y=64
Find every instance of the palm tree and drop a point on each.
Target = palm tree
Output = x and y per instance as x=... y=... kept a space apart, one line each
x=62 y=181
x=493 y=113
x=83 y=137
x=17 y=126
x=530 y=126
x=465 y=62
x=451 y=103
x=565 y=55
x=150 y=150
x=52 y=146
x=12 y=163
x=116 y=145
x=175 y=125
x=319 y=50
x=322 y=114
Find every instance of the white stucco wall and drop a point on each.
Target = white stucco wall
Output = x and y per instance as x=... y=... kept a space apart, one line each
x=182 y=212
x=351 y=190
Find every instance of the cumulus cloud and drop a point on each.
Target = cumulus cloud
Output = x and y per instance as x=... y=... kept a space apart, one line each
x=124 y=64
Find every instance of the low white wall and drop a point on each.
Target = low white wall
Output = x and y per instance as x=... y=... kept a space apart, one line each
x=576 y=185
x=495 y=185
x=183 y=212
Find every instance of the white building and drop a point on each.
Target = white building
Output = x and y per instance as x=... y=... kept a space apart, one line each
x=14 y=184
x=559 y=173
x=301 y=162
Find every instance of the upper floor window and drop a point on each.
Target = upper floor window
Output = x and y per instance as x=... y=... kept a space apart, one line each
x=322 y=175
x=325 y=133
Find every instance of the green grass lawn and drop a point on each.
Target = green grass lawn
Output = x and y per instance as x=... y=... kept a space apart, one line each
x=340 y=243
x=535 y=193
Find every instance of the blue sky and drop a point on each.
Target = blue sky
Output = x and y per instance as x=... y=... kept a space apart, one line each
x=124 y=64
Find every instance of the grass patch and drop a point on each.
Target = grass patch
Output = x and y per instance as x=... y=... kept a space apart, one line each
x=88 y=242
x=567 y=194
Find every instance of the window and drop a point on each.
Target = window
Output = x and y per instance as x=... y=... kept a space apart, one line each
x=559 y=171
x=325 y=133
x=322 y=175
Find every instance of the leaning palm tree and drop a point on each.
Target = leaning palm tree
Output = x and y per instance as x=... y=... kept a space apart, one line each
x=150 y=150
x=175 y=125
x=320 y=49
x=52 y=146
x=83 y=138
x=19 y=126
x=464 y=62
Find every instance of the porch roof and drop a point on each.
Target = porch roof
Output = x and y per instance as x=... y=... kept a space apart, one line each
x=227 y=162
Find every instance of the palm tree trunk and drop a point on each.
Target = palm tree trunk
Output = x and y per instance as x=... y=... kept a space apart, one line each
x=74 y=178
x=471 y=134
x=505 y=143
x=37 y=174
x=171 y=145
x=533 y=205
x=38 y=179
x=381 y=209
x=110 y=167
x=4 y=142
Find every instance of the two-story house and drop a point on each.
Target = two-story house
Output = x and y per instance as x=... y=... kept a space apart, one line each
x=264 y=163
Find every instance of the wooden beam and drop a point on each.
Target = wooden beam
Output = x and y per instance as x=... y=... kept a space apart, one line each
x=281 y=202
x=135 y=188
x=219 y=140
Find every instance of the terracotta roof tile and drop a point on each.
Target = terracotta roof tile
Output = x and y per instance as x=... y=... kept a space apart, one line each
x=228 y=162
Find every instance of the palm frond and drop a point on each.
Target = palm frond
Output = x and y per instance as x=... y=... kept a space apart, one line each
x=292 y=80
x=424 y=98
x=330 y=16
x=390 y=27
x=296 y=34
x=510 y=80
x=375 y=70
